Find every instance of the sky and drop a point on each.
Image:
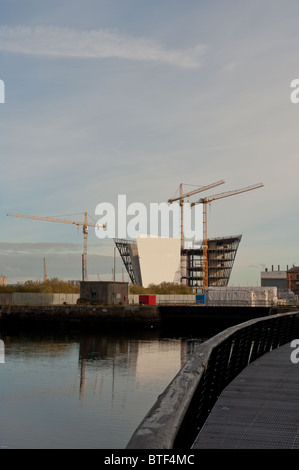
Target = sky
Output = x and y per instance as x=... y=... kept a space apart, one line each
x=135 y=97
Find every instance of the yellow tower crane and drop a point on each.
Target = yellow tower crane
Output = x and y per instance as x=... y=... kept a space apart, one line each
x=205 y=201
x=84 y=223
x=181 y=198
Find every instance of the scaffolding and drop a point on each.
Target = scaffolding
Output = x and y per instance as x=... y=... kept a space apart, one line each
x=221 y=256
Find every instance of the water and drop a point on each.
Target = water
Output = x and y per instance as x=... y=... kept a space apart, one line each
x=81 y=390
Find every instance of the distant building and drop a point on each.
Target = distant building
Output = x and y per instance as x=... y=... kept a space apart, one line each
x=3 y=280
x=104 y=292
x=273 y=278
x=74 y=282
x=293 y=279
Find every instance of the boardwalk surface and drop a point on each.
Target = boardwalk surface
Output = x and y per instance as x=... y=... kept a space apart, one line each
x=259 y=409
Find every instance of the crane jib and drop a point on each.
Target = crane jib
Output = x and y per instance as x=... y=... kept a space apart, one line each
x=66 y=221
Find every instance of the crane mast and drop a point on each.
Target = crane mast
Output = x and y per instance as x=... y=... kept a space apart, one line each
x=84 y=254
x=45 y=278
x=181 y=198
x=84 y=223
x=205 y=201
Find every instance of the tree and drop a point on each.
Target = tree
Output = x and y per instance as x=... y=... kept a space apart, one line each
x=51 y=286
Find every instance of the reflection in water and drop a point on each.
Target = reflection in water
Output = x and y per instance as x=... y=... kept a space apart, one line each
x=83 y=390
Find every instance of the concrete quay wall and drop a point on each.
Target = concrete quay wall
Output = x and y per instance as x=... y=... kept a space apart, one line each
x=131 y=315
x=83 y=314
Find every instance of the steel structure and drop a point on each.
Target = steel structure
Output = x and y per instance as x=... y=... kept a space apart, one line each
x=126 y=249
x=205 y=201
x=221 y=256
x=45 y=277
x=84 y=223
x=181 y=198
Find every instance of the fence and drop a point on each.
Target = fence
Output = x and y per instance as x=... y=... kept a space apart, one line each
x=216 y=301
x=165 y=299
x=180 y=411
x=39 y=299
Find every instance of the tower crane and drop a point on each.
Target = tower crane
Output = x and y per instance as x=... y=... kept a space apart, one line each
x=181 y=198
x=205 y=201
x=45 y=277
x=85 y=225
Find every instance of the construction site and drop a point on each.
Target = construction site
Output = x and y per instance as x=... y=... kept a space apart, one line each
x=221 y=255
x=152 y=260
x=208 y=262
x=205 y=265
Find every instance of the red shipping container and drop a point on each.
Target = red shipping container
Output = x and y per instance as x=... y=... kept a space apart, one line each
x=147 y=299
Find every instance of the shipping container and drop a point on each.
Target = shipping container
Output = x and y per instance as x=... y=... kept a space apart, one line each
x=147 y=299
x=200 y=299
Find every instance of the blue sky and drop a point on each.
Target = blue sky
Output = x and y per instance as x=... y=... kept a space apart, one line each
x=134 y=97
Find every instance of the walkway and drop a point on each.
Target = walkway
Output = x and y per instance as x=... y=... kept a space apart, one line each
x=259 y=409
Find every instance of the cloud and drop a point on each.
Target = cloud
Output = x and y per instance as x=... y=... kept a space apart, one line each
x=51 y=41
x=28 y=247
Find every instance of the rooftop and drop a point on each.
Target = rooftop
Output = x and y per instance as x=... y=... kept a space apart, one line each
x=294 y=269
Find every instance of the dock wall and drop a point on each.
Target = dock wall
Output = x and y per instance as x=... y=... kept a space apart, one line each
x=77 y=314
x=171 y=311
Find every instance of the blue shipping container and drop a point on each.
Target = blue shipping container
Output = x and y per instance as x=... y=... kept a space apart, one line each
x=200 y=299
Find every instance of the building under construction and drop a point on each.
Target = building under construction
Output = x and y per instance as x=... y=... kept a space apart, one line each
x=221 y=256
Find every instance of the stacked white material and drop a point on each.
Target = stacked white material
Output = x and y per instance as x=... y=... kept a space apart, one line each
x=241 y=296
x=265 y=296
x=227 y=296
x=272 y=295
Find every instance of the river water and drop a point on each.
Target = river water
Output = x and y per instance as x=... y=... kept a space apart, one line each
x=84 y=390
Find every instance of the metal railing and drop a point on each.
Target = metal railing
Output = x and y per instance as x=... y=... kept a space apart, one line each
x=181 y=410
